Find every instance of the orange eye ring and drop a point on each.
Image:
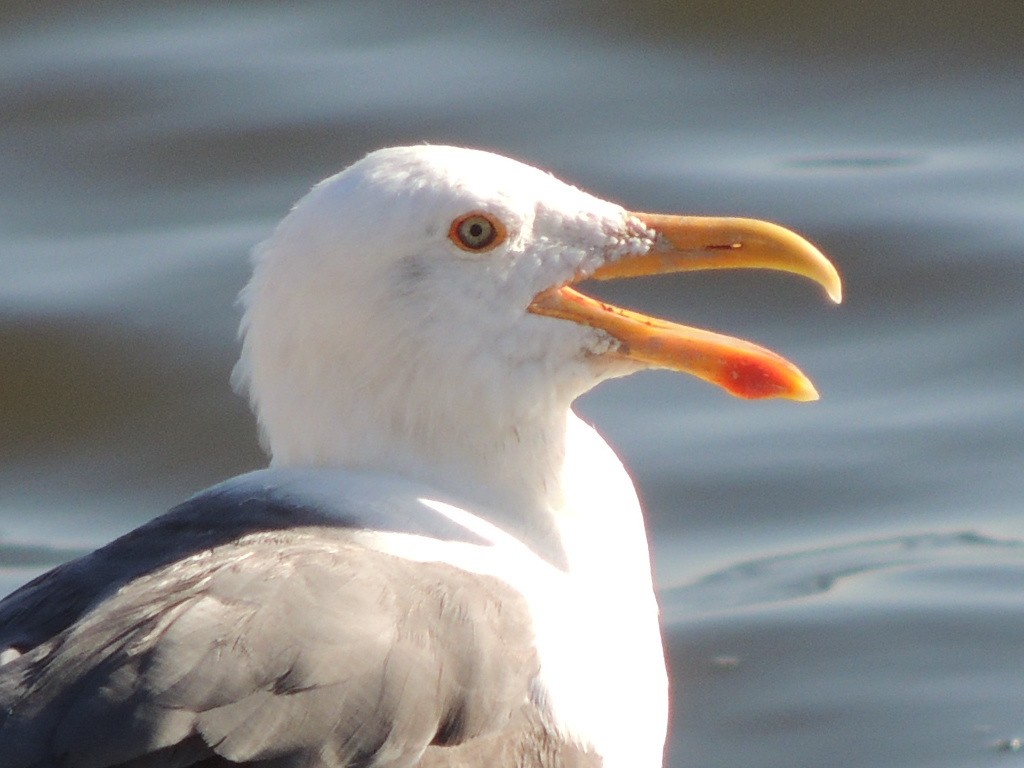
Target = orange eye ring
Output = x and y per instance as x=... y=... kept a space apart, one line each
x=477 y=232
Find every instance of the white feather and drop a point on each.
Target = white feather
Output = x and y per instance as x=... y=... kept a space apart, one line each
x=372 y=341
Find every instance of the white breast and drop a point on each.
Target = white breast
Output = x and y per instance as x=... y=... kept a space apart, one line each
x=603 y=676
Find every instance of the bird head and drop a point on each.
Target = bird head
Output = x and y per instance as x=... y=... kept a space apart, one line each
x=426 y=282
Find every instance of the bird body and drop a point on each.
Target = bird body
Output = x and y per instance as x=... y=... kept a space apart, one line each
x=443 y=565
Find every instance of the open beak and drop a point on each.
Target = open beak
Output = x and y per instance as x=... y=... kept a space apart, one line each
x=689 y=243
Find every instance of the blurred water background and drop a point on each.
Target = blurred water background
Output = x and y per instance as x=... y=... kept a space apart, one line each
x=843 y=582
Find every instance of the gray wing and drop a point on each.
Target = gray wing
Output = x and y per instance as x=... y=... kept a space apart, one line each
x=261 y=501
x=263 y=634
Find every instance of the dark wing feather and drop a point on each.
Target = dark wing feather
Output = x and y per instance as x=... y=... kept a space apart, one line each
x=283 y=644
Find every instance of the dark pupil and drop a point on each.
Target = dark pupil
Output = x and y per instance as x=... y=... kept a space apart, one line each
x=476 y=232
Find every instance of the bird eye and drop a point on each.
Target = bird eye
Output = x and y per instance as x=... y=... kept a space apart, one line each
x=477 y=232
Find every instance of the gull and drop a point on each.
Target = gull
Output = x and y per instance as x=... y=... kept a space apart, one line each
x=442 y=565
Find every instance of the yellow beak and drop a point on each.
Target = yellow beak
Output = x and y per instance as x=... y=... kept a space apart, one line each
x=689 y=243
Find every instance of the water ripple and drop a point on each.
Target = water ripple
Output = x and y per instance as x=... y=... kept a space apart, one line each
x=809 y=572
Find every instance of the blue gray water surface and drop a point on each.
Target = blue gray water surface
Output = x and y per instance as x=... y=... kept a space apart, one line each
x=842 y=582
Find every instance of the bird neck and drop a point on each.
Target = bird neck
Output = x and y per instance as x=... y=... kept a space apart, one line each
x=531 y=467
